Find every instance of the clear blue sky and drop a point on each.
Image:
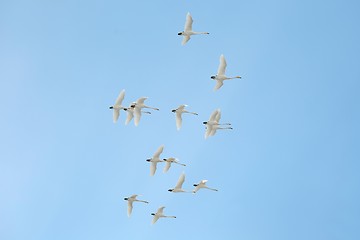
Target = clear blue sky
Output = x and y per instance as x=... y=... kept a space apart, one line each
x=288 y=170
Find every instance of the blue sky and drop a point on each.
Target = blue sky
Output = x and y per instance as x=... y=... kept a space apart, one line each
x=288 y=170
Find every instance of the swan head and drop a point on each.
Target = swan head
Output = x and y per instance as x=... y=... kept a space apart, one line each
x=148 y=160
x=170 y=190
x=111 y=107
x=126 y=198
x=180 y=33
x=205 y=122
x=213 y=77
x=174 y=110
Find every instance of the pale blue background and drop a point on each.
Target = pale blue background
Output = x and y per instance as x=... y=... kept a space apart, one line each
x=288 y=170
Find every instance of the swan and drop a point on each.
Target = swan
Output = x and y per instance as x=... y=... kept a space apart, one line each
x=202 y=184
x=117 y=106
x=138 y=105
x=179 y=111
x=130 y=201
x=155 y=159
x=160 y=214
x=188 y=30
x=213 y=124
x=220 y=76
x=130 y=113
x=169 y=161
x=178 y=187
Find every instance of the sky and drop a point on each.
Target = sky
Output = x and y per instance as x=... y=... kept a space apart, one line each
x=288 y=170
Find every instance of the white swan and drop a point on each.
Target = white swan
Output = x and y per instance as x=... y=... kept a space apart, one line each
x=179 y=111
x=155 y=159
x=138 y=105
x=202 y=184
x=188 y=30
x=220 y=76
x=117 y=106
x=213 y=124
x=169 y=161
x=130 y=113
x=130 y=201
x=160 y=214
x=178 y=187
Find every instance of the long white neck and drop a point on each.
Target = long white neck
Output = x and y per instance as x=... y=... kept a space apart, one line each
x=190 y=112
x=233 y=77
x=150 y=107
x=195 y=33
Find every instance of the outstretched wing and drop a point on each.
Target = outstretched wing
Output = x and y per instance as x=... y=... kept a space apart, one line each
x=167 y=166
x=141 y=100
x=188 y=23
x=178 y=120
x=130 y=115
x=159 y=151
x=120 y=98
x=213 y=115
x=116 y=113
x=180 y=181
x=185 y=39
x=222 y=65
x=152 y=168
x=218 y=85
x=160 y=210
x=137 y=113
x=209 y=129
x=130 y=207
x=155 y=218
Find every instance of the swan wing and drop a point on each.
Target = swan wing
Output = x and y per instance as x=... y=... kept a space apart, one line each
x=167 y=166
x=130 y=115
x=141 y=100
x=160 y=210
x=185 y=40
x=155 y=218
x=222 y=65
x=188 y=23
x=152 y=168
x=218 y=85
x=218 y=116
x=158 y=151
x=120 y=98
x=137 y=113
x=180 y=181
x=213 y=115
x=129 y=208
x=178 y=120
x=116 y=113
x=209 y=129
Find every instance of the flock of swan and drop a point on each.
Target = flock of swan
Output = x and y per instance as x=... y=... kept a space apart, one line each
x=135 y=110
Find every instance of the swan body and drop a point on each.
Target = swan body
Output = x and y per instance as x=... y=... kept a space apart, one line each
x=169 y=161
x=130 y=113
x=130 y=201
x=178 y=113
x=213 y=124
x=117 y=106
x=155 y=159
x=178 y=187
x=188 y=32
x=160 y=214
x=138 y=105
x=220 y=77
x=202 y=184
